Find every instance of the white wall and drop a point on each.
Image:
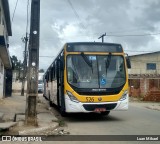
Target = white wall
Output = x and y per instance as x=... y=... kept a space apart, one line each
x=40 y=76
x=1 y=78
x=139 y=62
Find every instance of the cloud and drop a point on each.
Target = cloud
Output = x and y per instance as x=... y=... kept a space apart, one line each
x=59 y=24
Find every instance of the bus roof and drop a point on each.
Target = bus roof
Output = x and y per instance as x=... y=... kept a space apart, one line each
x=93 y=47
x=92 y=43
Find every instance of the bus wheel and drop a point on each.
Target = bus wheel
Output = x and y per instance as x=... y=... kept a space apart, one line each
x=63 y=113
x=50 y=104
x=105 y=113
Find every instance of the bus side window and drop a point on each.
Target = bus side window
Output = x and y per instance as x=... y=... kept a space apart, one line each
x=70 y=74
x=72 y=78
x=53 y=73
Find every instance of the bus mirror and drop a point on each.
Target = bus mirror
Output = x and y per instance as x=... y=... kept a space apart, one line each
x=128 y=62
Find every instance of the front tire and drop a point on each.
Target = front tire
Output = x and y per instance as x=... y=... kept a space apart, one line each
x=63 y=113
x=105 y=113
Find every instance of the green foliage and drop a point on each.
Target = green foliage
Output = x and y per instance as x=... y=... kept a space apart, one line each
x=41 y=70
x=16 y=64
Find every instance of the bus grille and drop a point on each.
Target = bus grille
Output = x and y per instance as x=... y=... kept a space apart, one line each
x=92 y=107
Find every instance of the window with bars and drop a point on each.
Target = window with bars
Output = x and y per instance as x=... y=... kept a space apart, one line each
x=151 y=66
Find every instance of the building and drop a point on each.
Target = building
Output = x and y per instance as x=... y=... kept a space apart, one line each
x=5 y=61
x=144 y=76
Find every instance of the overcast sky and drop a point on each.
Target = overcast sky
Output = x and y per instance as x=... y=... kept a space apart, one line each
x=85 y=20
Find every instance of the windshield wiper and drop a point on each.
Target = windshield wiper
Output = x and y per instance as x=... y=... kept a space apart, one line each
x=108 y=61
x=74 y=69
x=87 y=60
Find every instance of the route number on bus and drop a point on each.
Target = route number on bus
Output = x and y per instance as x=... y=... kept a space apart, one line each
x=90 y=99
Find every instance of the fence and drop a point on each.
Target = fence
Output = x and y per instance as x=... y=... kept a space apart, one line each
x=17 y=86
x=145 y=88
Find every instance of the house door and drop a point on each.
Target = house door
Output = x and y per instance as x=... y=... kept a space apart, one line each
x=8 y=83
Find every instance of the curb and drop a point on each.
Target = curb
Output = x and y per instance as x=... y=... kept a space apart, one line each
x=39 y=131
x=7 y=125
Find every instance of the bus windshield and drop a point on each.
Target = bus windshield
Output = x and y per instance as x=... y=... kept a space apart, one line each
x=96 y=71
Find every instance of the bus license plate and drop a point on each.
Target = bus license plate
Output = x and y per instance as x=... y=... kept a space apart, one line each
x=100 y=110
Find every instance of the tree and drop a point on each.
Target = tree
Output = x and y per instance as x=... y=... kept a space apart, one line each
x=17 y=65
x=14 y=62
x=41 y=71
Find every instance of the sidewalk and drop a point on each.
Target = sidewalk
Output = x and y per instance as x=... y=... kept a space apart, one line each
x=145 y=104
x=47 y=122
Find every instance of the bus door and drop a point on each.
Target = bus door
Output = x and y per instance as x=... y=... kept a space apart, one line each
x=60 y=84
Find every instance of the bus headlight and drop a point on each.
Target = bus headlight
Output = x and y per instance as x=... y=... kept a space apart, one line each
x=124 y=96
x=72 y=97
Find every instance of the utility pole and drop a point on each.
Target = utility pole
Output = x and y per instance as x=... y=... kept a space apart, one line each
x=25 y=39
x=102 y=36
x=32 y=83
x=19 y=69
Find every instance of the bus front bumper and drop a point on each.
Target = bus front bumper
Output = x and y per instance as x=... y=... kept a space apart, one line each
x=73 y=107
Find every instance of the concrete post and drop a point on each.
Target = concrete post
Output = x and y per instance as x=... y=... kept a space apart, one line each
x=32 y=84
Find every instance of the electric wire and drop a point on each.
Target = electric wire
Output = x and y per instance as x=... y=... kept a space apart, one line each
x=144 y=61
x=130 y=35
x=140 y=51
x=14 y=10
x=47 y=56
x=76 y=14
x=27 y=16
x=119 y=35
x=124 y=50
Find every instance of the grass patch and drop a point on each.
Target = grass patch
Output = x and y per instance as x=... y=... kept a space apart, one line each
x=60 y=122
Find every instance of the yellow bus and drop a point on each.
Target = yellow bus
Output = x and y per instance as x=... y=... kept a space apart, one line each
x=88 y=77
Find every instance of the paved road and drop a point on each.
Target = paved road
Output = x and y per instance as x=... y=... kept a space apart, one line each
x=136 y=121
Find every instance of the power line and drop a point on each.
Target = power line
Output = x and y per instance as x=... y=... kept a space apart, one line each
x=25 y=39
x=47 y=56
x=147 y=34
x=144 y=61
x=118 y=35
x=124 y=50
x=14 y=10
x=129 y=30
x=27 y=16
x=138 y=51
x=76 y=14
